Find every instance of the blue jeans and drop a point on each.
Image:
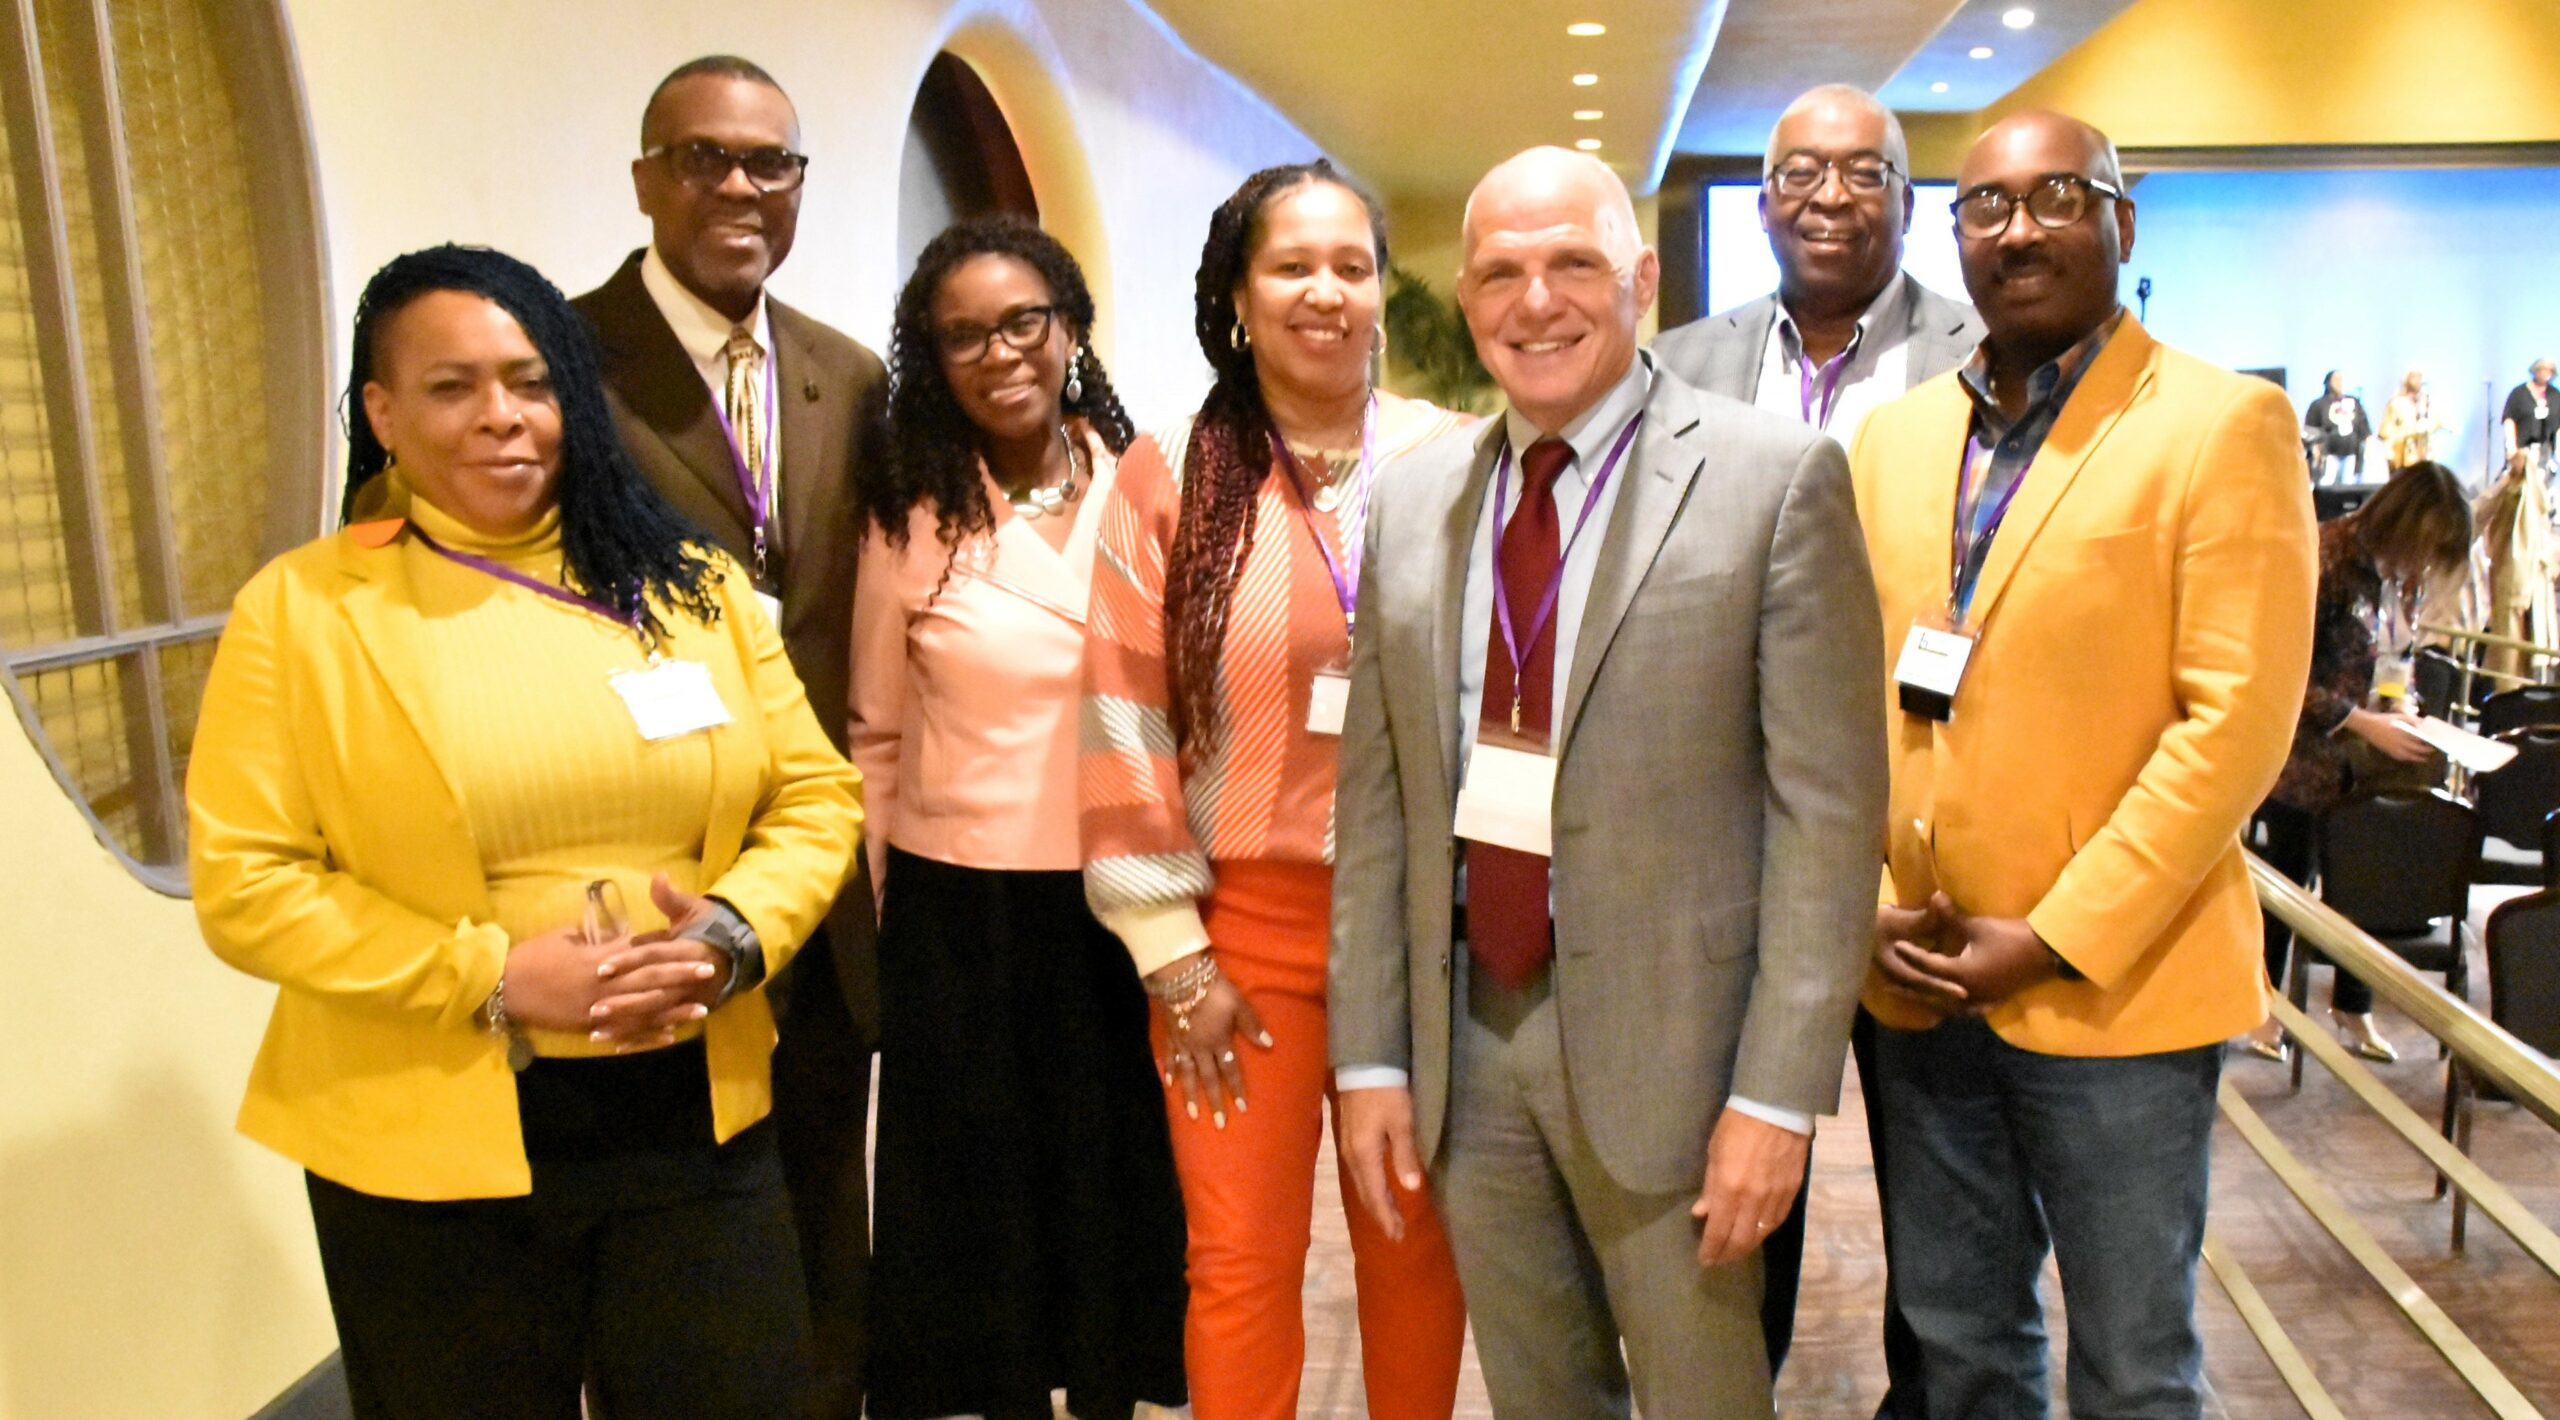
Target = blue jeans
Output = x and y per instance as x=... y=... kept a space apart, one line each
x=1997 y=1154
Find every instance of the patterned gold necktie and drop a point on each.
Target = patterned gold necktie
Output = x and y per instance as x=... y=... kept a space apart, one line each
x=749 y=432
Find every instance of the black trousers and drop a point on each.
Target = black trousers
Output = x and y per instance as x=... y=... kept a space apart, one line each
x=1782 y=1254
x=2293 y=849
x=672 y=1282
x=821 y=1116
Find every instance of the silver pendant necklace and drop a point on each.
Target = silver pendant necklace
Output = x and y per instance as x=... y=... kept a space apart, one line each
x=1054 y=498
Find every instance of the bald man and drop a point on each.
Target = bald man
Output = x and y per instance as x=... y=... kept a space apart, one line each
x=1626 y=646
x=2091 y=700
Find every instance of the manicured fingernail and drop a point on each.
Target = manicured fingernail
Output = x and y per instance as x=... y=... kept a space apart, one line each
x=1264 y=1040
x=1191 y=1109
x=1240 y=1104
x=595 y=1013
x=597 y=1036
x=605 y=970
x=1218 y=1117
x=703 y=970
x=701 y=1011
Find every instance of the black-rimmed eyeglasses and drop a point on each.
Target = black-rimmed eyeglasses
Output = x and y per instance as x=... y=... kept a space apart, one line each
x=2055 y=201
x=1801 y=174
x=967 y=343
x=707 y=165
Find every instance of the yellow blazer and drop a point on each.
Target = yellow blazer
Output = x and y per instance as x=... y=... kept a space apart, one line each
x=2145 y=623
x=330 y=855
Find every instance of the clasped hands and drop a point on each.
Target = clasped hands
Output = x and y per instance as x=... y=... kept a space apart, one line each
x=630 y=991
x=1997 y=957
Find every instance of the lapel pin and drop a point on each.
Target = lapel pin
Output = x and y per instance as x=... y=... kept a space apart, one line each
x=809 y=391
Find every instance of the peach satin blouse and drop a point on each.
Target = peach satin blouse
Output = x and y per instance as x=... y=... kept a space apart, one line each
x=966 y=691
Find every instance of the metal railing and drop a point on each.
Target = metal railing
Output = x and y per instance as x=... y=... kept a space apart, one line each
x=2471 y=668
x=2478 y=1047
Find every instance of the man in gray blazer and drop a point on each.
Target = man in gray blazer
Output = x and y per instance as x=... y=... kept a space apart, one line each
x=1847 y=329
x=1605 y=1006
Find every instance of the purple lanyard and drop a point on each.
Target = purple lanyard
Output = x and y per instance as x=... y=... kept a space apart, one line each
x=1350 y=519
x=1555 y=580
x=756 y=485
x=1832 y=370
x=505 y=573
x=1973 y=530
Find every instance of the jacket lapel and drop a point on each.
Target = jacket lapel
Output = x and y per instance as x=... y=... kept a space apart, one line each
x=1666 y=462
x=1742 y=352
x=653 y=377
x=2105 y=391
x=382 y=613
x=817 y=425
x=1456 y=545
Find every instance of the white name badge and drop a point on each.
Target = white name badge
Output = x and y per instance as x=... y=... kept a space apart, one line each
x=1509 y=799
x=1328 y=703
x=671 y=698
x=772 y=608
x=1929 y=669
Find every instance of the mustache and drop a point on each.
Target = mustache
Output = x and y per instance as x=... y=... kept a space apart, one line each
x=2021 y=263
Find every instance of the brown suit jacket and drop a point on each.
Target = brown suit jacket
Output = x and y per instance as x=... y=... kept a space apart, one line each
x=833 y=396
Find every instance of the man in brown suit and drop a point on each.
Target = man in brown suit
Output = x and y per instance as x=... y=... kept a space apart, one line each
x=751 y=418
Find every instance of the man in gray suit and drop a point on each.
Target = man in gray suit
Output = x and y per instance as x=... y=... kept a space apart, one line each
x=1624 y=643
x=1847 y=329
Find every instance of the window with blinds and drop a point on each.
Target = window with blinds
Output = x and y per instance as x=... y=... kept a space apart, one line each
x=162 y=377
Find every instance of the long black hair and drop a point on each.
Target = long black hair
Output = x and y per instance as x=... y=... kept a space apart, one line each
x=933 y=446
x=623 y=545
x=1230 y=450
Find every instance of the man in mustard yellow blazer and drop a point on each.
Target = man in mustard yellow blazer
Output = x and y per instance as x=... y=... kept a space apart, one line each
x=2096 y=564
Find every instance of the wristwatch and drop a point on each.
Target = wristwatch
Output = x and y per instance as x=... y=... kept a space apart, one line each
x=727 y=932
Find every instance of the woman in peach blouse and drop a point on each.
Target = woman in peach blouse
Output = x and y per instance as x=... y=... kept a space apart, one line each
x=1220 y=638
x=1027 y=1228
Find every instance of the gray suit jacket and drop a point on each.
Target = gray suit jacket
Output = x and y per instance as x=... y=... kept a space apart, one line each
x=1722 y=353
x=833 y=396
x=1719 y=803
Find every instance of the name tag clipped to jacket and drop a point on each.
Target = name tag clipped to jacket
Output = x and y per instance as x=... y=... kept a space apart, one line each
x=671 y=698
x=1509 y=796
x=1328 y=703
x=1930 y=667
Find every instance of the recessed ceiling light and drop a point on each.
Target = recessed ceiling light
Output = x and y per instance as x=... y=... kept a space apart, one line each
x=1979 y=51
x=2018 y=17
x=1586 y=115
x=1584 y=81
x=1588 y=145
x=1939 y=87
x=1586 y=29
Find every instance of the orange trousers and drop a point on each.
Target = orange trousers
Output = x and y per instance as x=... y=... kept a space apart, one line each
x=1248 y=1192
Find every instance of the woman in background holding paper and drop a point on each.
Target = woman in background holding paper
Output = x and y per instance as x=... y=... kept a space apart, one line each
x=2372 y=564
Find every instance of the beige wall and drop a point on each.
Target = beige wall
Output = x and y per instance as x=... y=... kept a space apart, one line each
x=152 y=1263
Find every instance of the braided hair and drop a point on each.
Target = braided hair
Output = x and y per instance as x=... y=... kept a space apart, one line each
x=933 y=447
x=1229 y=454
x=621 y=543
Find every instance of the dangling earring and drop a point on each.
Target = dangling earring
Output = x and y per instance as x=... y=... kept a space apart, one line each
x=1075 y=375
x=1239 y=338
x=1377 y=340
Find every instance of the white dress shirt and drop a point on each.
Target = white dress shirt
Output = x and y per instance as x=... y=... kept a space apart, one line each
x=1876 y=371
x=704 y=334
x=1591 y=434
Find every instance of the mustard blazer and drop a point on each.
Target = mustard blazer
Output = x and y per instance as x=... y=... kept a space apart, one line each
x=331 y=856
x=2145 y=619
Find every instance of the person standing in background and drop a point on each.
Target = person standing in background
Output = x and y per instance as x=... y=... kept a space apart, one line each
x=753 y=420
x=2532 y=418
x=2409 y=422
x=2334 y=429
x=1846 y=330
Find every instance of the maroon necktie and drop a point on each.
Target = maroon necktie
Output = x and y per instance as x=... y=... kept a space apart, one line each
x=1508 y=926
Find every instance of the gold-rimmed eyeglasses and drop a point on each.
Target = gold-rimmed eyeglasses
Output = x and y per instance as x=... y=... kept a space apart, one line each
x=1802 y=174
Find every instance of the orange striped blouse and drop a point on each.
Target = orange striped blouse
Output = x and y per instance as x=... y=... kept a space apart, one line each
x=1264 y=787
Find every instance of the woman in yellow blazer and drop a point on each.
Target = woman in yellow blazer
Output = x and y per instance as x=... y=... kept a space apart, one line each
x=437 y=755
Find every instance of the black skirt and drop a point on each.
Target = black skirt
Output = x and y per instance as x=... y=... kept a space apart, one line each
x=1027 y=1228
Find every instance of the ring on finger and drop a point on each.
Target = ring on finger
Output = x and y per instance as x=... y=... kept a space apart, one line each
x=1226 y=1057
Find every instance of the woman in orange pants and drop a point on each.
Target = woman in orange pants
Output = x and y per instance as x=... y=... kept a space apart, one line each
x=1218 y=645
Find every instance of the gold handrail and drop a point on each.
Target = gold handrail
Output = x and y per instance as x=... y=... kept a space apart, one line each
x=2483 y=1046
x=2486 y=638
